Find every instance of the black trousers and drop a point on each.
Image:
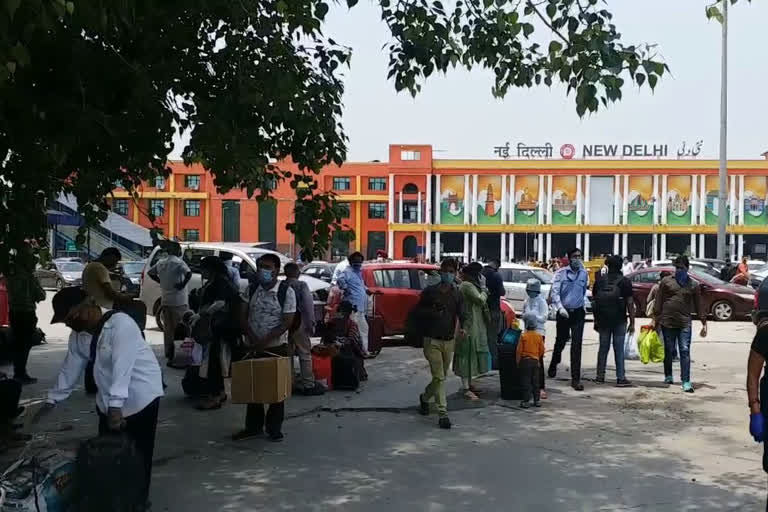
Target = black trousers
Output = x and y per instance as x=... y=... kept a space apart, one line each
x=215 y=379
x=141 y=428
x=572 y=327
x=529 y=378
x=255 y=420
x=23 y=326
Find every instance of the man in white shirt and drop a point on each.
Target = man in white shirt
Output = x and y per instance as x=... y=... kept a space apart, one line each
x=173 y=275
x=270 y=314
x=628 y=266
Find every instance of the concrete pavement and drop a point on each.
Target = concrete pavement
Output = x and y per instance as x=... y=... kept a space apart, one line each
x=650 y=447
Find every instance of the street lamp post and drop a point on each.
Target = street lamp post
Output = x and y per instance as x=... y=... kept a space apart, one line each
x=722 y=217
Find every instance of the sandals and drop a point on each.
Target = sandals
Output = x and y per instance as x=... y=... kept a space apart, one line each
x=470 y=395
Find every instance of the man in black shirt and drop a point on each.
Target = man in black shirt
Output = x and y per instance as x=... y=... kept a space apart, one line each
x=613 y=303
x=495 y=285
x=437 y=312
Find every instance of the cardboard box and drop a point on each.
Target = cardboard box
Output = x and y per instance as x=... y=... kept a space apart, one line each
x=261 y=381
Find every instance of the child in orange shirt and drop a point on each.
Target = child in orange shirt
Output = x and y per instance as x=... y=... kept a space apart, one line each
x=530 y=349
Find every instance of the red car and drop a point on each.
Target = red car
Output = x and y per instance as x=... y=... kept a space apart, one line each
x=724 y=301
x=398 y=286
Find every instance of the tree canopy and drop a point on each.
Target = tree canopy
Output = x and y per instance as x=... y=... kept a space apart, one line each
x=90 y=91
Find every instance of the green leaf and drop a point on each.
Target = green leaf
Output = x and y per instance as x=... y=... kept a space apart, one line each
x=713 y=11
x=551 y=10
x=321 y=10
x=20 y=54
x=555 y=47
x=652 y=80
x=70 y=7
x=11 y=6
x=352 y=3
x=640 y=79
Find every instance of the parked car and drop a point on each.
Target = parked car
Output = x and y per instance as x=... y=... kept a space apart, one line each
x=700 y=265
x=60 y=273
x=192 y=254
x=130 y=273
x=724 y=301
x=320 y=269
x=756 y=277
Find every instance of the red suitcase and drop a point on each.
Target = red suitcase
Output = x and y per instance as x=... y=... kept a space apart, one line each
x=375 y=330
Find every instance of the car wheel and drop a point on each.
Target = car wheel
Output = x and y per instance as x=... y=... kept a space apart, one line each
x=59 y=284
x=722 y=311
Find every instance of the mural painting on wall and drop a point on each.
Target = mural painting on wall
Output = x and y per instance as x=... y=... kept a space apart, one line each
x=564 y=200
x=527 y=200
x=755 y=196
x=679 y=200
x=452 y=200
x=641 y=200
x=488 y=200
x=711 y=204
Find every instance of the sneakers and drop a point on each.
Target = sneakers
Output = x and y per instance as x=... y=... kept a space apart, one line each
x=600 y=379
x=552 y=372
x=276 y=437
x=578 y=386
x=245 y=435
x=669 y=380
x=687 y=387
x=537 y=403
x=623 y=383
x=444 y=423
x=423 y=406
x=525 y=405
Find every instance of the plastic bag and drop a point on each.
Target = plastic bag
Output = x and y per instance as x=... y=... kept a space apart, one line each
x=47 y=477
x=630 y=347
x=650 y=346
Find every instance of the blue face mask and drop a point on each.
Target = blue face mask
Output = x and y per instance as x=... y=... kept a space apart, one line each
x=577 y=265
x=264 y=276
x=357 y=266
x=681 y=276
x=447 y=277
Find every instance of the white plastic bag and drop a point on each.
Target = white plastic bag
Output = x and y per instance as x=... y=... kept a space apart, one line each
x=630 y=347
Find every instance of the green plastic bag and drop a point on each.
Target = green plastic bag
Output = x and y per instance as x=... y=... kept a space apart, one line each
x=650 y=346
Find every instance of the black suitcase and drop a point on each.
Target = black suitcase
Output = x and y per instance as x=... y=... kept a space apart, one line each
x=109 y=475
x=508 y=372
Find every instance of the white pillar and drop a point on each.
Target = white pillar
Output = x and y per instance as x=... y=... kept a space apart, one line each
x=732 y=202
x=511 y=210
x=429 y=200
x=616 y=249
x=656 y=203
x=741 y=200
x=511 y=247
x=616 y=204
x=549 y=204
x=437 y=202
x=474 y=199
x=663 y=253
x=733 y=249
x=625 y=243
x=474 y=246
x=541 y=204
x=503 y=203
x=693 y=246
x=694 y=203
x=540 y=246
x=579 y=205
x=467 y=199
x=418 y=207
x=625 y=205
x=587 y=256
x=663 y=219
x=437 y=245
x=654 y=246
x=703 y=202
x=391 y=198
x=391 y=245
x=503 y=257
x=548 y=254
x=428 y=246
x=587 y=200
x=702 y=247
x=466 y=247
x=740 y=247
x=400 y=211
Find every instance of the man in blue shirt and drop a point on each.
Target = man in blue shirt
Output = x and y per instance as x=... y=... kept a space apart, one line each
x=351 y=283
x=569 y=289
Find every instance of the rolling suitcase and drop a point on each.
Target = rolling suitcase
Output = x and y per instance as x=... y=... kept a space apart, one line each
x=375 y=330
x=508 y=372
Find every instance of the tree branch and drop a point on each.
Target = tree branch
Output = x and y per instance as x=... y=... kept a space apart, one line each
x=546 y=22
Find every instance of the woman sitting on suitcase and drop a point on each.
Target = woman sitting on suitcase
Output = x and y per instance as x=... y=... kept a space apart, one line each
x=344 y=332
x=128 y=377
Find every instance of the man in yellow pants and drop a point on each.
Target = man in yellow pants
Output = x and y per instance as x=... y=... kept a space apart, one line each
x=436 y=314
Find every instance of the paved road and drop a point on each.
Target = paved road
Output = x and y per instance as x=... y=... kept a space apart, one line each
x=650 y=447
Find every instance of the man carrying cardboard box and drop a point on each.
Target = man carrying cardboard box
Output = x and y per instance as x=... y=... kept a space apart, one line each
x=270 y=314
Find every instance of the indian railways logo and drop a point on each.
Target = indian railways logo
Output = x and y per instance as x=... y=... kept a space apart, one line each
x=567 y=151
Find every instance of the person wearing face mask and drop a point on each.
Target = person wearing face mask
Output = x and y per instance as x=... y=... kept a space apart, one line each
x=569 y=289
x=351 y=283
x=535 y=312
x=439 y=308
x=675 y=302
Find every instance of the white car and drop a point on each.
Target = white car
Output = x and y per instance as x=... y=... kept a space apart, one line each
x=754 y=265
x=516 y=276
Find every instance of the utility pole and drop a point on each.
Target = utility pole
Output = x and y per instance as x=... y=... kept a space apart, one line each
x=722 y=215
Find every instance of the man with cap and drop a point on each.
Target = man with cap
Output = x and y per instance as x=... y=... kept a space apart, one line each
x=757 y=387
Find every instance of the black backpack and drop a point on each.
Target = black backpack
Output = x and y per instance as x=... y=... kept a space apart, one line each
x=607 y=295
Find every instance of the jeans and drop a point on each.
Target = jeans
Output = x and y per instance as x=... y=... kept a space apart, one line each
x=617 y=333
x=493 y=330
x=529 y=378
x=573 y=326
x=682 y=338
x=439 y=354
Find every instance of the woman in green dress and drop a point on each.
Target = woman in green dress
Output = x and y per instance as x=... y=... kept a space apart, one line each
x=471 y=356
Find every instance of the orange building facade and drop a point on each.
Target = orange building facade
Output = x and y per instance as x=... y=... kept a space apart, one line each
x=417 y=206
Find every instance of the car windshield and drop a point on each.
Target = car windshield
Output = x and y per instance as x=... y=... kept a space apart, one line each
x=707 y=278
x=70 y=266
x=134 y=267
x=543 y=275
